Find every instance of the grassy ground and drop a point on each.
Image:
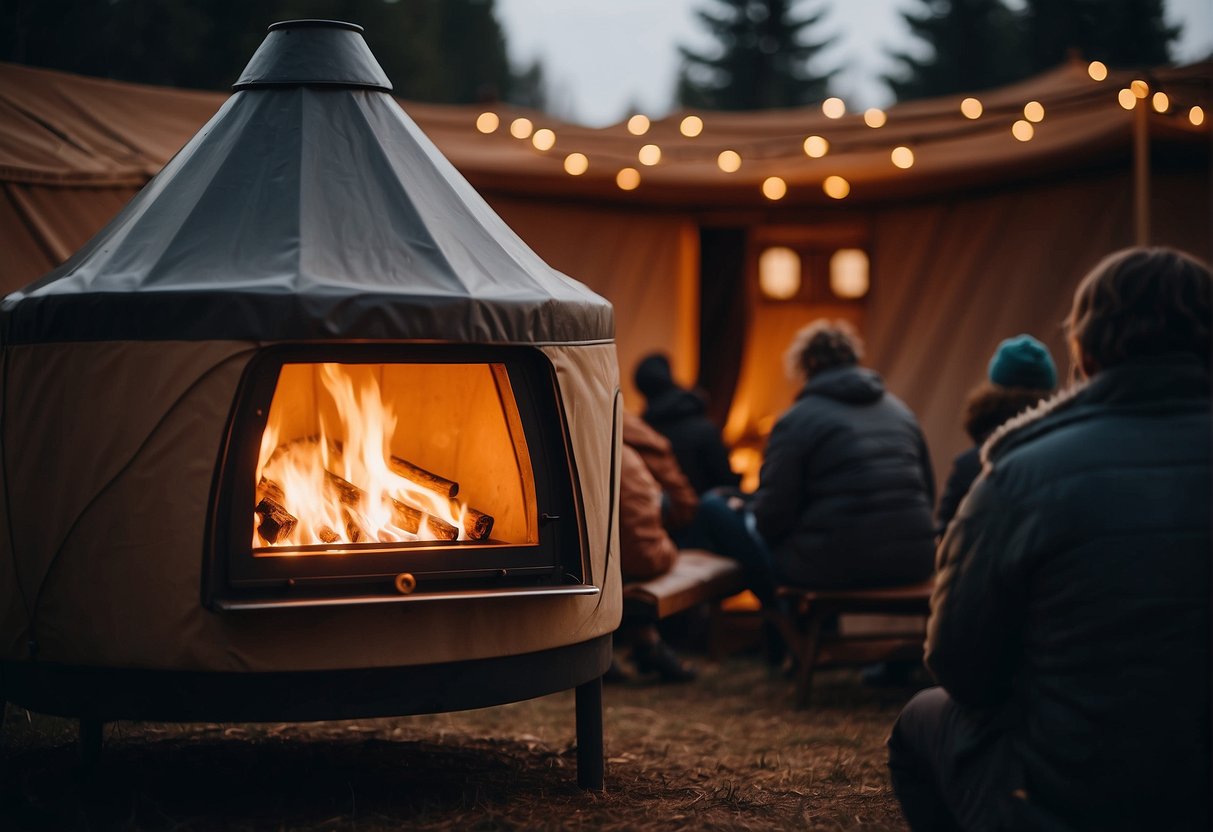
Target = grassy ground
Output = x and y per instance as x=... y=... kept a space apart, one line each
x=725 y=752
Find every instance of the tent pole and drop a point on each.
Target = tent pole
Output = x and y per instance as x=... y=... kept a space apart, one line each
x=1141 y=173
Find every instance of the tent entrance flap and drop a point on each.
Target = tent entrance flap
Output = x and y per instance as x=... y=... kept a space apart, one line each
x=354 y=471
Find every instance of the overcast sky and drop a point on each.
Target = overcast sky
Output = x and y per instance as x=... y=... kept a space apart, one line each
x=603 y=58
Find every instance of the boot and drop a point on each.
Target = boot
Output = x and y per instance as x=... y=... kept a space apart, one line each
x=659 y=658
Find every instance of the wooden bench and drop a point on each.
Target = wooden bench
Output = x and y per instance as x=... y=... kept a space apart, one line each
x=696 y=577
x=803 y=613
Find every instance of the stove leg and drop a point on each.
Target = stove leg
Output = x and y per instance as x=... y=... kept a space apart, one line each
x=589 y=735
x=90 y=744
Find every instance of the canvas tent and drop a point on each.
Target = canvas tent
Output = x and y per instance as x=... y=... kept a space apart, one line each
x=308 y=208
x=984 y=236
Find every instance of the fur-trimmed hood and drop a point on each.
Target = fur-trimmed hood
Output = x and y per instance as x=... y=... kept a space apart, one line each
x=990 y=405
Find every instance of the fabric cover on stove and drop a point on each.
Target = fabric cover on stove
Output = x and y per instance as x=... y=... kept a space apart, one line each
x=108 y=480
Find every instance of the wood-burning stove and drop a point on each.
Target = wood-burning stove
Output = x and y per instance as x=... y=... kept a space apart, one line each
x=307 y=279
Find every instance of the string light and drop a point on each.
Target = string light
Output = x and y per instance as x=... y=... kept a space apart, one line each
x=576 y=164
x=774 y=188
x=836 y=187
x=815 y=147
x=487 y=122
x=691 y=126
x=520 y=128
x=650 y=155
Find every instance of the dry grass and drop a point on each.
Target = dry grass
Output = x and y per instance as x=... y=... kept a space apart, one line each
x=725 y=752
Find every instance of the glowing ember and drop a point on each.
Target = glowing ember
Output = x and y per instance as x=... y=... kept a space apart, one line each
x=345 y=486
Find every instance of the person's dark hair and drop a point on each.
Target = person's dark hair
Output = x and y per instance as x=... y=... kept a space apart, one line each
x=822 y=345
x=1141 y=302
x=990 y=404
x=653 y=375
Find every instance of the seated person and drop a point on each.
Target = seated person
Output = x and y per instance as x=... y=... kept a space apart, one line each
x=1021 y=373
x=681 y=417
x=1070 y=625
x=653 y=494
x=845 y=491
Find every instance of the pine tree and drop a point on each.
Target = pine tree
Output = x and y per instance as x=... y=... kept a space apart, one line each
x=974 y=44
x=1118 y=32
x=763 y=62
x=450 y=51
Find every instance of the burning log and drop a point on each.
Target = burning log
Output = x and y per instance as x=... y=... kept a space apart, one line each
x=276 y=522
x=405 y=516
x=353 y=530
x=419 y=476
x=327 y=535
x=477 y=524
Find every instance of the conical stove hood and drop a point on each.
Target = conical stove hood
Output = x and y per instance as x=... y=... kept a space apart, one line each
x=309 y=207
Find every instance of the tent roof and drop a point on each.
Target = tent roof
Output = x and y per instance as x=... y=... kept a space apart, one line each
x=70 y=130
x=303 y=212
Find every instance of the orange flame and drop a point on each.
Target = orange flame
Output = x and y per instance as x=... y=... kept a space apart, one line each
x=300 y=475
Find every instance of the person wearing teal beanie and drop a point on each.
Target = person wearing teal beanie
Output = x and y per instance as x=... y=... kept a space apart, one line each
x=1023 y=361
x=1020 y=374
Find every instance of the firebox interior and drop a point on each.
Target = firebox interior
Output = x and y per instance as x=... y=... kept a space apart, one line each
x=456 y=422
x=355 y=470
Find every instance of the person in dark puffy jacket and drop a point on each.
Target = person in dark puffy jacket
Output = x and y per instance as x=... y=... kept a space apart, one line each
x=846 y=489
x=681 y=417
x=1070 y=627
x=1021 y=373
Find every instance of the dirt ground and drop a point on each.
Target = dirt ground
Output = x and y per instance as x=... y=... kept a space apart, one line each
x=724 y=752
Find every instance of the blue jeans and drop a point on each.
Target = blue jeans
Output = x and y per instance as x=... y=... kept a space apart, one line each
x=725 y=531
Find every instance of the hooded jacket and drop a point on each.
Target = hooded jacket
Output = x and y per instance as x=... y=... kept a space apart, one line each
x=1073 y=599
x=648 y=471
x=681 y=417
x=846 y=487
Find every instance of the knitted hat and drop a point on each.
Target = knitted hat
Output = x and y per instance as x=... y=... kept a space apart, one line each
x=1023 y=361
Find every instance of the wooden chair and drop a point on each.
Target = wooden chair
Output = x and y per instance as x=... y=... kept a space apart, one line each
x=801 y=614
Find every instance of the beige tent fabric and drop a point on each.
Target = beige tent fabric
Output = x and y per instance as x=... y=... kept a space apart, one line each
x=953 y=277
x=645 y=263
x=62 y=129
x=107 y=508
x=958 y=276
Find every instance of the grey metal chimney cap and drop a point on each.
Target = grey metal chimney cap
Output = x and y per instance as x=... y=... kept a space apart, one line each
x=313 y=53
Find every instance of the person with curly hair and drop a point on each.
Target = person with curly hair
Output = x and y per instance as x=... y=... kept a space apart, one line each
x=845 y=490
x=1070 y=624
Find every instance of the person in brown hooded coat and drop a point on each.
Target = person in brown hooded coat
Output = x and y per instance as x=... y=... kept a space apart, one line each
x=654 y=496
